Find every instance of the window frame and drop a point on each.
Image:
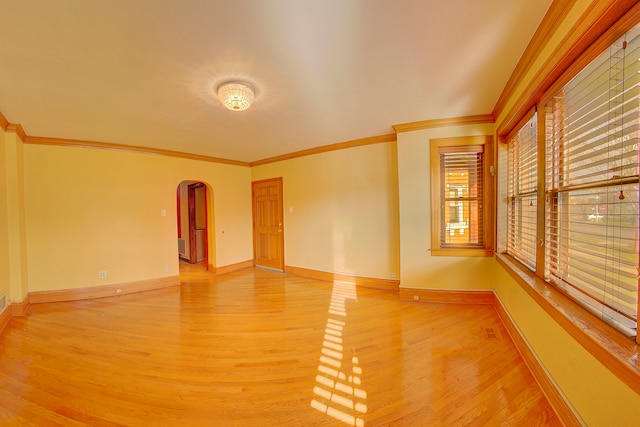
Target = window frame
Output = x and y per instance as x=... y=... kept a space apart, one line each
x=487 y=249
x=593 y=34
x=609 y=37
x=538 y=192
x=594 y=124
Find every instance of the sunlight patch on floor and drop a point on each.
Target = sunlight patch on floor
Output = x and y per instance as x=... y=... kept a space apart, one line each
x=337 y=392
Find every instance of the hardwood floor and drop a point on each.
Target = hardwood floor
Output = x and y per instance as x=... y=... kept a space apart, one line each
x=257 y=347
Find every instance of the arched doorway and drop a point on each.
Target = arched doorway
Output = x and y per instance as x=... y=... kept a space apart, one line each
x=193 y=201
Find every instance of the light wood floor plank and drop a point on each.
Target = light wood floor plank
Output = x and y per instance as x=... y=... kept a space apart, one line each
x=257 y=347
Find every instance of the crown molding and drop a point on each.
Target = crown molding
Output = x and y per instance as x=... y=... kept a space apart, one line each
x=550 y=23
x=61 y=142
x=452 y=121
x=4 y=123
x=12 y=127
x=392 y=137
x=600 y=23
x=326 y=148
x=17 y=129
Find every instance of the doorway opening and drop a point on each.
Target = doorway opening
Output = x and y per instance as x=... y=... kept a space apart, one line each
x=195 y=222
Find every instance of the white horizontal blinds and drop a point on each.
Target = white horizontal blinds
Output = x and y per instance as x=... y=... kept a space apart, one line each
x=522 y=169
x=462 y=192
x=592 y=185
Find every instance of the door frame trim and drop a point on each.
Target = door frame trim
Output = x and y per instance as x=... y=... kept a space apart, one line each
x=280 y=181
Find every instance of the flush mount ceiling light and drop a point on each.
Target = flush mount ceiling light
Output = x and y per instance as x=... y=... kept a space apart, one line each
x=236 y=96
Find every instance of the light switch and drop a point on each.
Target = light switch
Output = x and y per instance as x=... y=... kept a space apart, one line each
x=163 y=212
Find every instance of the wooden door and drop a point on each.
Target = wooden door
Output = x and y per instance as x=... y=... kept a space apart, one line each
x=191 y=202
x=268 y=225
x=197 y=209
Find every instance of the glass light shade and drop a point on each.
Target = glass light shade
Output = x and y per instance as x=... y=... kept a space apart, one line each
x=236 y=96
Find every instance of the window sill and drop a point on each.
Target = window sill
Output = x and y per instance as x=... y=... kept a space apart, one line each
x=462 y=252
x=616 y=352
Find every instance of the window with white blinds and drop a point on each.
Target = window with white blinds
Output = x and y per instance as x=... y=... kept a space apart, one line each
x=591 y=188
x=462 y=193
x=522 y=194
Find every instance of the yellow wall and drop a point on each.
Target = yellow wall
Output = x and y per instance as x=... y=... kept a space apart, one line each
x=14 y=233
x=418 y=268
x=90 y=210
x=600 y=397
x=340 y=210
x=4 y=222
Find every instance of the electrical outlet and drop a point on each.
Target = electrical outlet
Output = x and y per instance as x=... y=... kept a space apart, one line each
x=392 y=274
x=166 y=267
x=118 y=291
x=102 y=274
x=416 y=297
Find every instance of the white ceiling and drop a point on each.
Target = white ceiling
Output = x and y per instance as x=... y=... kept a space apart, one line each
x=144 y=72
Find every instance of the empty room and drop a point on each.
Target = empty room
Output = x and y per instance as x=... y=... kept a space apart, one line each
x=305 y=213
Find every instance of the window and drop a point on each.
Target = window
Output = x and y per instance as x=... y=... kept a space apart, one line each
x=460 y=189
x=592 y=185
x=522 y=192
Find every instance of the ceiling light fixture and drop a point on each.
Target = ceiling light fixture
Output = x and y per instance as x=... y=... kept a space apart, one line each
x=236 y=96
